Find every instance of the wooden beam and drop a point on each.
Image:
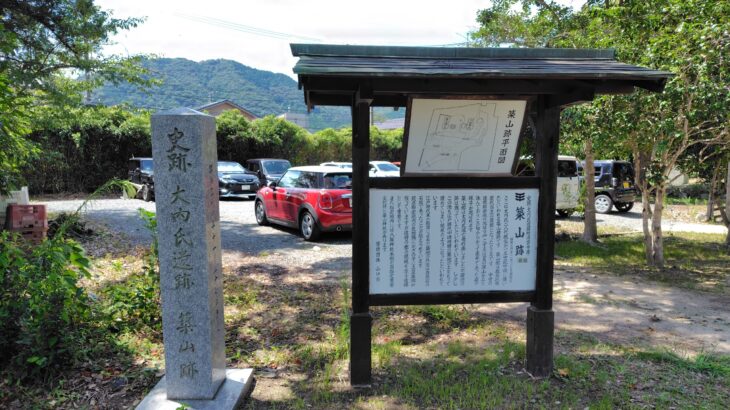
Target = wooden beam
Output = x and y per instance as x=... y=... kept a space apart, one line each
x=450 y=298
x=574 y=97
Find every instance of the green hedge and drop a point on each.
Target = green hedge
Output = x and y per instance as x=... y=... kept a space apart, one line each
x=80 y=149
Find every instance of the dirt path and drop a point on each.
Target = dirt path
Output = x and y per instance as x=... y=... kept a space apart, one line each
x=634 y=312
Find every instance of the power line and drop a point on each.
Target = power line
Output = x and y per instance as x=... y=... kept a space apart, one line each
x=244 y=28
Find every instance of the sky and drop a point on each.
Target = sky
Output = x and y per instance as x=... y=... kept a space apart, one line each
x=257 y=33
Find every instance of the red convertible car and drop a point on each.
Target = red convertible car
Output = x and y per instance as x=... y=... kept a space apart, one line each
x=314 y=199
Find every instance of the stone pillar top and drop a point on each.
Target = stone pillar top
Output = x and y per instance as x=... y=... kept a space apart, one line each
x=180 y=111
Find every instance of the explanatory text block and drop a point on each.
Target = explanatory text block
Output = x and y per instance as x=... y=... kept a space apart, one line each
x=452 y=240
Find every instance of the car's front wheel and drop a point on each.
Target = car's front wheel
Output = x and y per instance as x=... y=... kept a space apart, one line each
x=624 y=206
x=146 y=193
x=260 y=214
x=603 y=204
x=308 y=227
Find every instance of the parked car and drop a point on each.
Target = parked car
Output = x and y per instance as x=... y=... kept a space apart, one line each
x=568 y=182
x=235 y=182
x=568 y=188
x=314 y=199
x=383 y=169
x=614 y=186
x=344 y=165
x=140 y=171
x=267 y=169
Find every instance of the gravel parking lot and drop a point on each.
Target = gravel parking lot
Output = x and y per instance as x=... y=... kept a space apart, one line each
x=240 y=233
x=245 y=242
x=241 y=236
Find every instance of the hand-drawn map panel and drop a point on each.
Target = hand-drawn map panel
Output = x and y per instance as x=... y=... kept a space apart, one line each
x=463 y=136
x=452 y=240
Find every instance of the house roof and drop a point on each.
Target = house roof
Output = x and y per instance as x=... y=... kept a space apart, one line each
x=541 y=71
x=225 y=101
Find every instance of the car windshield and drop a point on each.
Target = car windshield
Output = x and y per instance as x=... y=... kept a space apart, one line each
x=230 y=167
x=387 y=167
x=276 y=167
x=338 y=181
x=146 y=165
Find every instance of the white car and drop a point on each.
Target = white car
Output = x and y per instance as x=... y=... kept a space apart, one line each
x=568 y=192
x=343 y=165
x=383 y=169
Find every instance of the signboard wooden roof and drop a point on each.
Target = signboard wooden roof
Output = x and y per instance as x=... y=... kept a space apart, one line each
x=329 y=73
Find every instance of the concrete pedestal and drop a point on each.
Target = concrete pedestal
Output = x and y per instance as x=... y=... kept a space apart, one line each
x=230 y=395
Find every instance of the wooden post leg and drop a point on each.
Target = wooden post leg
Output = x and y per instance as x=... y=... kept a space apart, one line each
x=360 y=319
x=539 y=349
x=540 y=315
x=360 y=355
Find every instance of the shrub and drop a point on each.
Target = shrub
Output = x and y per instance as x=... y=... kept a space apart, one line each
x=697 y=191
x=135 y=303
x=43 y=309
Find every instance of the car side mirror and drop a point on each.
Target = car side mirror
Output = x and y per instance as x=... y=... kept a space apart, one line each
x=272 y=184
x=614 y=181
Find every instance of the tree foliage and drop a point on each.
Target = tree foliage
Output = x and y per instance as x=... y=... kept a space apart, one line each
x=688 y=38
x=43 y=43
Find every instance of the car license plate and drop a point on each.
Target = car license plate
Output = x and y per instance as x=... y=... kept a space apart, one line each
x=245 y=187
x=627 y=185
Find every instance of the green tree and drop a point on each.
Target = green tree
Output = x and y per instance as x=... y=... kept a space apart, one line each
x=235 y=137
x=688 y=38
x=40 y=42
x=279 y=138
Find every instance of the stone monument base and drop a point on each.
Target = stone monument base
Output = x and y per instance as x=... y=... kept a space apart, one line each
x=230 y=395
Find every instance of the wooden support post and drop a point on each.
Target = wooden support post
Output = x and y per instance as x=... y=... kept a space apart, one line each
x=540 y=316
x=360 y=318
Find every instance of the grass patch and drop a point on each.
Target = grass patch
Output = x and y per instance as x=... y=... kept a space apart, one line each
x=693 y=260
x=685 y=201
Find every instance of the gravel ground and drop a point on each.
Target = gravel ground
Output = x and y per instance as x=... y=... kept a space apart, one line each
x=241 y=236
x=672 y=221
x=245 y=242
x=238 y=224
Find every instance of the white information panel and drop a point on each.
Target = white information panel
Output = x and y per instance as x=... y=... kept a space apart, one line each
x=463 y=136
x=452 y=240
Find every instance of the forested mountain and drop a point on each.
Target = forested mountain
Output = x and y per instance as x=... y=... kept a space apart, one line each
x=191 y=84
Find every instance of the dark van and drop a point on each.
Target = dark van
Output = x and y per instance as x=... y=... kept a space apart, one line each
x=267 y=169
x=614 y=185
x=141 y=176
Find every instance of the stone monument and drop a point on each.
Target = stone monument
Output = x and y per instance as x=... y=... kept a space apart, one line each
x=191 y=277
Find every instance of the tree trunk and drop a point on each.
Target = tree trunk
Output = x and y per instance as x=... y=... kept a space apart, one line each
x=656 y=228
x=590 y=231
x=711 y=195
x=640 y=164
x=727 y=207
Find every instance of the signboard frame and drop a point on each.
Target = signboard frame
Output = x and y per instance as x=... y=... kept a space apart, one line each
x=529 y=100
x=458 y=297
